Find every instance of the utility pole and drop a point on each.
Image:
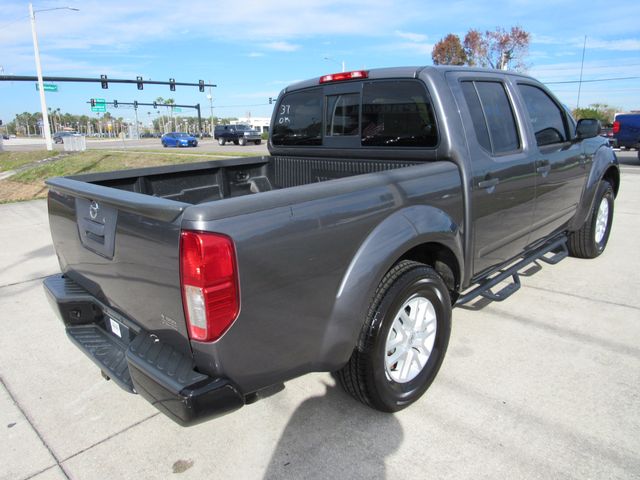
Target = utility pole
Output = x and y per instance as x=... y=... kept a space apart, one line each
x=584 y=46
x=137 y=124
x=210 y=97
x=43 y=102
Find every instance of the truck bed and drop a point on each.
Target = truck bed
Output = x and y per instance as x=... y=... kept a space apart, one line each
x=214 y=180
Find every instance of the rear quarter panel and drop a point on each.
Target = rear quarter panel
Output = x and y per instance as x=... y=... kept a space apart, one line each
x=308 y=269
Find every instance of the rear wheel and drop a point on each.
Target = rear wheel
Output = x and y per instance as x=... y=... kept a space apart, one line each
x=591 y=240
x=403 y=341
x=258 y=142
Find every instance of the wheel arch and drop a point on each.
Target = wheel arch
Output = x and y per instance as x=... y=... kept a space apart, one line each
x=421 y=233
x=605 y=166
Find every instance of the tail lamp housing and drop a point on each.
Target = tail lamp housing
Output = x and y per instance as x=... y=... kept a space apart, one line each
x=209 y=281
x=616 y=127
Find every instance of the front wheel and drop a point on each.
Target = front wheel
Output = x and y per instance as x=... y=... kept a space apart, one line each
x=243 y=141
x=591 y=240
x=403 y=341
x=221 y=141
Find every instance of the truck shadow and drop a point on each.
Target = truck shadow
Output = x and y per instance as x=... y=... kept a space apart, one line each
x=333 y=436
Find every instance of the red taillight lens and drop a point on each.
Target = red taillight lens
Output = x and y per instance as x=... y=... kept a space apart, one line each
x=616 y=127
x=209 y=280
x=338 y=77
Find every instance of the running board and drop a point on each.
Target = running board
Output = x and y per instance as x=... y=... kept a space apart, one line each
x=560 y=251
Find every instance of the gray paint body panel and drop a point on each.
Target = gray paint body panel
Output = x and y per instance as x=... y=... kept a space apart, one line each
x=309 y=256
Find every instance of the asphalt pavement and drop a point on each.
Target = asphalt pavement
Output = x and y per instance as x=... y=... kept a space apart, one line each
x=543 y=385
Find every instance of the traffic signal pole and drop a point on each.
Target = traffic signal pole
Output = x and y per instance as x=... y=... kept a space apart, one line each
x=136 y=104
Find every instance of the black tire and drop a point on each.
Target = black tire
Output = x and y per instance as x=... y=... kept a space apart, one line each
x=582 y=243
x=258 y=142
x=365 y=376
x=236 y=141
x=221 y=141
x=242 y=141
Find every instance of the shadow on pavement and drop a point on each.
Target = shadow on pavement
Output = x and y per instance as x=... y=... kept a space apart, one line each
x=334 y=436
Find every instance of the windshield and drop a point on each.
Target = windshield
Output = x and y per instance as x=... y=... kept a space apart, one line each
x=243 y=127
x=182 y=135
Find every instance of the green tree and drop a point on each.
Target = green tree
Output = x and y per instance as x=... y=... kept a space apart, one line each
x=600 y=111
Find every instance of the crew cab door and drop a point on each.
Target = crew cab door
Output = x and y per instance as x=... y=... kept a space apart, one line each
x=561 y=166
x=503 y=190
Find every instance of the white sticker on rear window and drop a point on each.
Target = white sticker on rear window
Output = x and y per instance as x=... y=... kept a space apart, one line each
x=115 y=327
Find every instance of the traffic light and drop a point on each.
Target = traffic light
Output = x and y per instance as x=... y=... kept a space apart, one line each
x=270 y=100
x=103 y=81
x=135 y=104
x=115 y=104
x=155 y=105
x=172 y=84
x=140 y=84
x=93 y=102
x=201 y=85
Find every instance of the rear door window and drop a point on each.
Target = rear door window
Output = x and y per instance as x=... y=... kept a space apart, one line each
x=492 y=116
x=397 y=113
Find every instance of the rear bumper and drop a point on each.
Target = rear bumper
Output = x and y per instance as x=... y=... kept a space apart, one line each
x=139 y=362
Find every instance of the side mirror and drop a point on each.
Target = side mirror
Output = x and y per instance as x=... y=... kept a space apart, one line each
x=588 y=128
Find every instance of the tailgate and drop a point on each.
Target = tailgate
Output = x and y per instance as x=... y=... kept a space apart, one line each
x=123 y=247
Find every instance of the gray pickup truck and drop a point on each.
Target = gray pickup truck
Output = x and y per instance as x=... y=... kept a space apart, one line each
x=389 y=196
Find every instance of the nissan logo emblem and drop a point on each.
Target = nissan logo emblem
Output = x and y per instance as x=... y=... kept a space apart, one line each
x=93 y=210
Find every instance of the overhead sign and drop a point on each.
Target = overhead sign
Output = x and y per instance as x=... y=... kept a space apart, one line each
x=100 y=105
x=48 y=87
x=177 y=109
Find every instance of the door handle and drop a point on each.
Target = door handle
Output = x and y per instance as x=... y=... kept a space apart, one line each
x=544 y=167
x=491 y=182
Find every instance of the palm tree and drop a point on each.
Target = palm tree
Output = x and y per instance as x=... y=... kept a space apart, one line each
x=160 y=101
x=171 y=101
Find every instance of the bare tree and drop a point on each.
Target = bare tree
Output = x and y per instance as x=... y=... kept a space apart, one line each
x=499 y=48
x=449 y=51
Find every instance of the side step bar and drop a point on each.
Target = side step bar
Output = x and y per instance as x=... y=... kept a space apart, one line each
x=559 y=248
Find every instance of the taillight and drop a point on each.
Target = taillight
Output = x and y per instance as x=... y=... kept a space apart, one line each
x=338 y=77
x=209 y=281
x=616 y=127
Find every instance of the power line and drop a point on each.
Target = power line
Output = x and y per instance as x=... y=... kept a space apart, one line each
x=238 y=106
x=592 y=81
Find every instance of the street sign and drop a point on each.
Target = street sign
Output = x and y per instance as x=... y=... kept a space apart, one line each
x=177 y=109
x=100 y=105
x=48 y=87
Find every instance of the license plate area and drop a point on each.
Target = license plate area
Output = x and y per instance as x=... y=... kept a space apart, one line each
x=118 y=329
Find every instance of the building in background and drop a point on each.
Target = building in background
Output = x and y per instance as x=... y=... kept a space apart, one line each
x=261 y=124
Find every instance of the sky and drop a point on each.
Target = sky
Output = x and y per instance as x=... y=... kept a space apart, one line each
x=253 y=49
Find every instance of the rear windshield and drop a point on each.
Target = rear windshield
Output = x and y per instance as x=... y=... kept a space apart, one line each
x=385 y=113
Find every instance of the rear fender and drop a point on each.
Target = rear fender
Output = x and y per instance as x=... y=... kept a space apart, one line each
x=385 y=245
x=603 y=160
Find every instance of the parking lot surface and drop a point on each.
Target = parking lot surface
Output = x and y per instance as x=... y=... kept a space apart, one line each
x=544 y=385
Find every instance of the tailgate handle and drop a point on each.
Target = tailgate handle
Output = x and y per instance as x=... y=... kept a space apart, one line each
x=96 y=229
